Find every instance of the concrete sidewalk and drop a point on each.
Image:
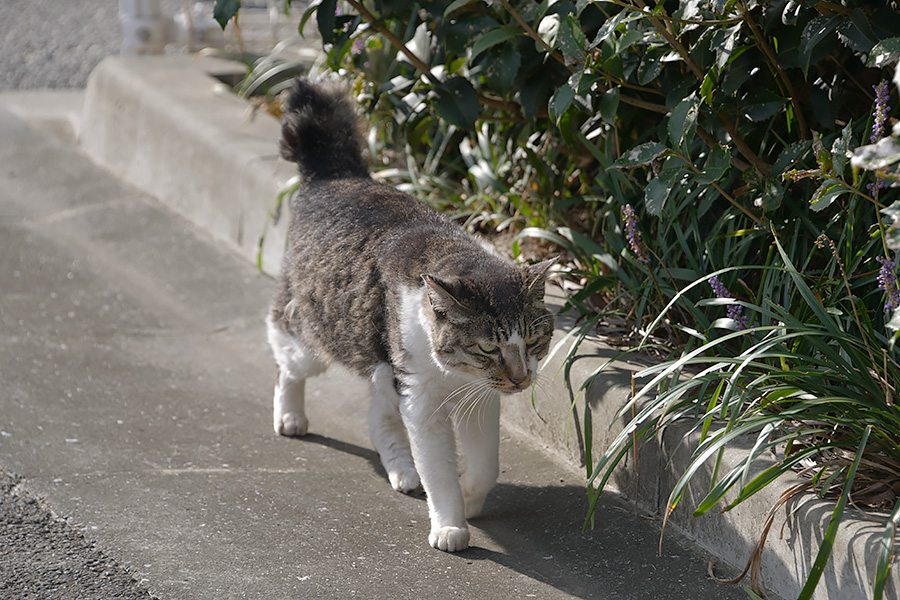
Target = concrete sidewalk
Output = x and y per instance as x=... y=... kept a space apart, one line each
x=135 y=403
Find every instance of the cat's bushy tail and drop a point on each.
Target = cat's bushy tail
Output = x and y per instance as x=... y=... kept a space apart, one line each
x=321 y=131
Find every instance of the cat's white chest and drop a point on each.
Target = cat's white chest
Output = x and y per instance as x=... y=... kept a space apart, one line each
x=420 y=361
x=414 y=332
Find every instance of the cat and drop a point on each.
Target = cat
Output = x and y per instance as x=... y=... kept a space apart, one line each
x=377 y=281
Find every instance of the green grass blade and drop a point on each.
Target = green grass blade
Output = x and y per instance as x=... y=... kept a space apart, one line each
x=886 y=557
x=828 y=541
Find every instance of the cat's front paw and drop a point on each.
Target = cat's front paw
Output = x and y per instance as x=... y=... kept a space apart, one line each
x=449 y=539
x=405 y=482
x=291 y=424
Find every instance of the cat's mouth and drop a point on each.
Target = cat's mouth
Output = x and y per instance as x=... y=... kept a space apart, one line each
x=512 y=387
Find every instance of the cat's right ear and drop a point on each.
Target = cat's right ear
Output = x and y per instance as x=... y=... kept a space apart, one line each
x=439 y=295
x=442 y=299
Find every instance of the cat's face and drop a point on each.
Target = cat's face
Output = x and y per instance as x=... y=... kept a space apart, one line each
x=496 y=332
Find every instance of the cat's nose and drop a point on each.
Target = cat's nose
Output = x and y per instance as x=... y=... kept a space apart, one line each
x=519 y=380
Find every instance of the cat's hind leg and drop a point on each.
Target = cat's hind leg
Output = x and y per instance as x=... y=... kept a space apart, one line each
x=388 y=432
x=479 y=435
x=295 y=363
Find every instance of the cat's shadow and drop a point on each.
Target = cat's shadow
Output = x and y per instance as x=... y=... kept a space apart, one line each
x=366 y=454
x=540 y=533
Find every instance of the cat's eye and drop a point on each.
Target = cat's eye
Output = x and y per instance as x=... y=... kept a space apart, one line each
x=487 y=347
x=532 y=342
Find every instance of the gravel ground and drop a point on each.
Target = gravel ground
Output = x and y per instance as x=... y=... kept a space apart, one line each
x=53 y=44
x=43 y=556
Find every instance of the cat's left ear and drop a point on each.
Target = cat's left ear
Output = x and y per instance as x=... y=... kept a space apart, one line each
x=536 y=276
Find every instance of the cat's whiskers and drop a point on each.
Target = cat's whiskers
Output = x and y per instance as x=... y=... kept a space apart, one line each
x=473 y=405
x=466 y=389
x=541 y=320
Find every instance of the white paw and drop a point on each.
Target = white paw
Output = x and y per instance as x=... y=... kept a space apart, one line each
x=405 y=482
x=291 y=424
x=449 y=539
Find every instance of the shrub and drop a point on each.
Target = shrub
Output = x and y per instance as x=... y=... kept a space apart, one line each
x=715 y=172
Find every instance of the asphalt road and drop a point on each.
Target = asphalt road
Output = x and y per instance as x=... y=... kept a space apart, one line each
x=43 y=556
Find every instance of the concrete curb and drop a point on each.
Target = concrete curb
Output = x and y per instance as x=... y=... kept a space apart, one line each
x=160 y=124
x=169 y=127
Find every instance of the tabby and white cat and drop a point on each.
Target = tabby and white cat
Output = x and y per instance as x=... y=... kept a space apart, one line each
x=439 y=323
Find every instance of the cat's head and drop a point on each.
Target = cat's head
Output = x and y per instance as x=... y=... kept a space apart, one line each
x=495 y=328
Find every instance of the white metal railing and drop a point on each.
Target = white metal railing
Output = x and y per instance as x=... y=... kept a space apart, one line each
x=146 y=30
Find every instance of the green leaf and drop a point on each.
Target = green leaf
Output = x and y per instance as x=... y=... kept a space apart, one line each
x=655 y=195
x=772 y=194
x=543 y=234
x=753 y=595
x=560 y=101
x=840 y=148
x=892 y=235
x=885 y=557
x=325 y=13
x=571 y=40
x=723 y=42
x=455 y=5
x=813 y=34
x=640 y=155
x=457 y=103
x=651 y=66
x=761 y=103
x=225 y=10
x=831 y=532
x=533 y=95
x=609 y=105
x=877 y=156
x=789 y=156
x=629 y=39
x=502 y=67
x=708 y=87
x=856 y=33
x=717 y=163
x=612 y=23
x=459 y=32
x=884 y=52
x=548 y=29
x=683 y=121
x=492 y=38
x=894 y=323
x=828 y=192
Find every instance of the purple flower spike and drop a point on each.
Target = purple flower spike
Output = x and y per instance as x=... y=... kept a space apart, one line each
x=880 y=113
x=633 y=235
x=718 y=289
x=735 y=311
x=887 y=281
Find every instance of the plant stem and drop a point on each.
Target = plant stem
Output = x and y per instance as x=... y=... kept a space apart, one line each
x=708 y=22
x=739 y=142
x=719 y=189
x=530 y=32
x=773 y=65
x=672 y=39
x=393 y=39
x=533 y=34
x=761 y=165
